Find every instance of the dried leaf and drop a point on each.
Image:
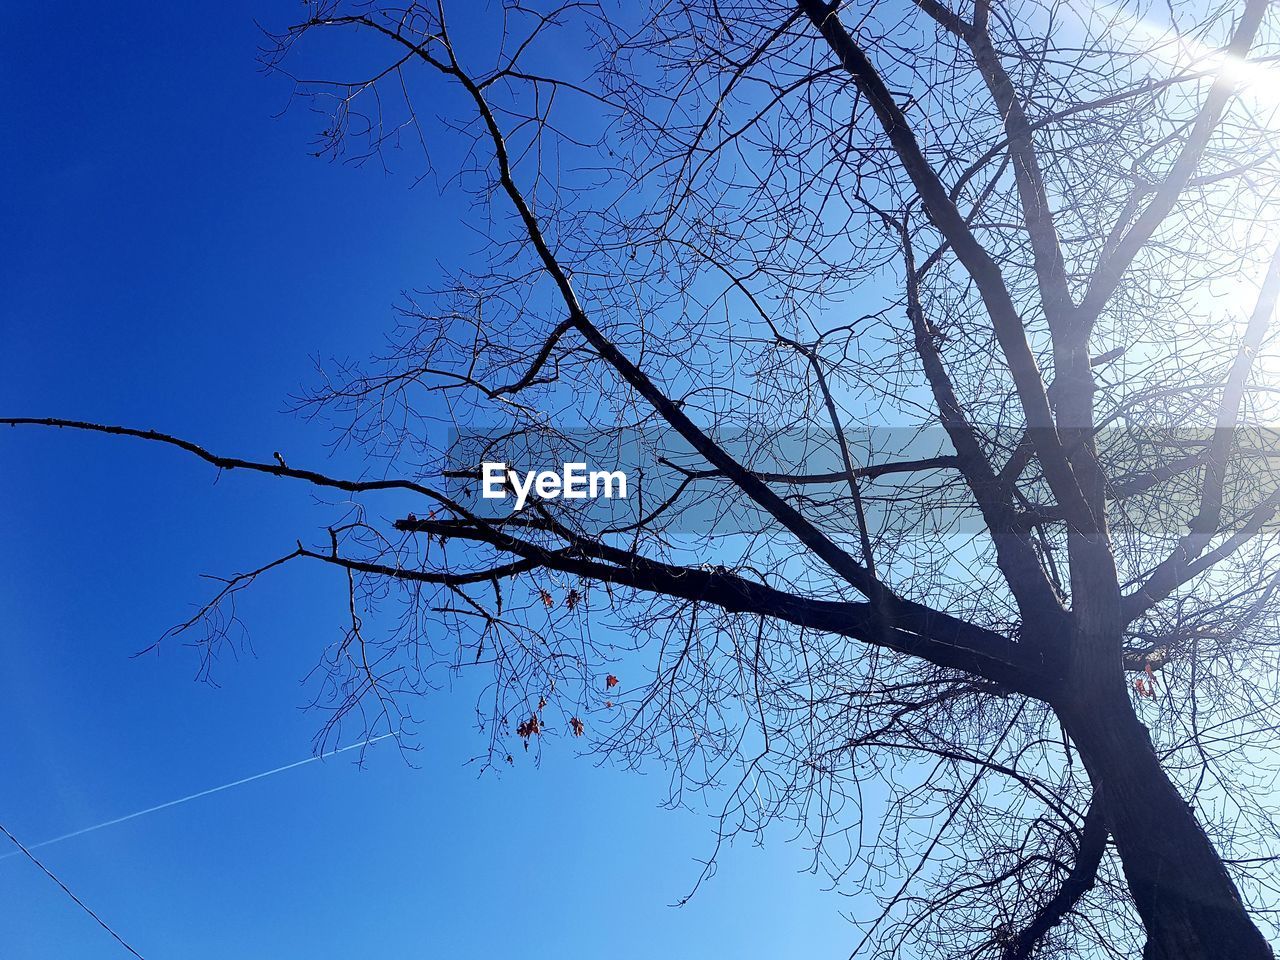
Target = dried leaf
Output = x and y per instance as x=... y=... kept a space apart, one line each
x=530 y=728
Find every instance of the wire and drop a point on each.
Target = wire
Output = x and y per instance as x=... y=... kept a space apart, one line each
x=67 y=890
x=160 y=806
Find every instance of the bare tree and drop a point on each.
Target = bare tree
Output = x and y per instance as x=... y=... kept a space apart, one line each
x=921 y=327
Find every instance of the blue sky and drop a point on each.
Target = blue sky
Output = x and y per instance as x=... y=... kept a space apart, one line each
x=173 y=258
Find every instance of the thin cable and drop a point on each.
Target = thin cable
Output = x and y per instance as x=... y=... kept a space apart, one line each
x=196 y=796
x=67 y=890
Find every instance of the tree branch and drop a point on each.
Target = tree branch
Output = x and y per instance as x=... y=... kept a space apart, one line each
x=1093 y=844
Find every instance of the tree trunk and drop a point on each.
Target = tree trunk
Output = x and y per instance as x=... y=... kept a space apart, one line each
x=1187 y=901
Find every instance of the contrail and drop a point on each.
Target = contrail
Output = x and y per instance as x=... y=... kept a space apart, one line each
x=196 y=796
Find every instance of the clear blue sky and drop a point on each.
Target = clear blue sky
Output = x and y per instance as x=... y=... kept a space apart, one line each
x=171 y=257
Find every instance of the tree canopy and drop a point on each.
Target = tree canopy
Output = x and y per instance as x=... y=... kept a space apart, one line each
x=939 y=339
